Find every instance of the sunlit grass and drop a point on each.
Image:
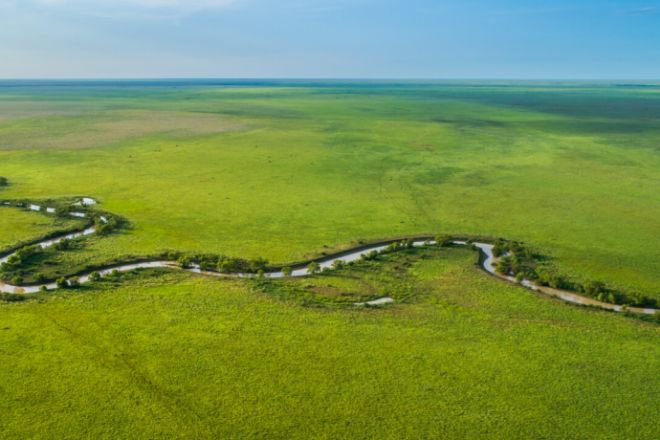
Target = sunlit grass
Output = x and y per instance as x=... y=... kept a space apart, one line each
x=568 y=170
x=464 y=356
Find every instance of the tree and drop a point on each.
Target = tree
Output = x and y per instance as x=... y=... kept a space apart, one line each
x=287 y=271
x=444 y=240
x=611 y=298
x=63 y=245
x=258 y=264
x=107 y=226
x=593 y=288
x=184 y=262
x=500 y=248
x=27 y=252
x=207 y=265
x=370 y=256
x=393 y=247
x=61 y=283
x=504 y=266
x=313 y=267
x=338 y=264
x=229 y=265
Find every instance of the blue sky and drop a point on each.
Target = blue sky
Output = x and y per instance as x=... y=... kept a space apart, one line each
x=579 y=39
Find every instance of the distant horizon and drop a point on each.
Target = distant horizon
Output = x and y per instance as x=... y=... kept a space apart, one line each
x=356 y=79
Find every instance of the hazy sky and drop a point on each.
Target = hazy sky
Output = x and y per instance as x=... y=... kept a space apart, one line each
x=330 y=38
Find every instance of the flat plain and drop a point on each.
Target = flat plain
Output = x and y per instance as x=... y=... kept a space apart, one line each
x=288 y=171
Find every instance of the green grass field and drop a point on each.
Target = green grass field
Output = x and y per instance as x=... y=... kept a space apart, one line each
x=290 y=171
x=283 y=172
x=462 y=355
x=19 y=226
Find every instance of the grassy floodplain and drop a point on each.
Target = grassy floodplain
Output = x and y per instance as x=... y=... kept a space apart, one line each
x=285 y=172
x=462 y=355
x=19 y=226
x=289 y=170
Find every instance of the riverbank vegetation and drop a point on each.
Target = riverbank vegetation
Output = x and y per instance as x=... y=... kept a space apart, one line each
x=29 y=263
x=519 y=261
x=376 y=275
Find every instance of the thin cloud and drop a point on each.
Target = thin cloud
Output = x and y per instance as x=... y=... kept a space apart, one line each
x=647 y=10
x=169 y=4
x=125 y=9
x=85 y=6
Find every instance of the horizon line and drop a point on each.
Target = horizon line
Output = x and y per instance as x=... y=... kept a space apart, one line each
x=293 y=78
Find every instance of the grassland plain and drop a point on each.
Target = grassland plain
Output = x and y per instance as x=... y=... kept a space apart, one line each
x=287 y=172
x=461 y=355
x=19 y=226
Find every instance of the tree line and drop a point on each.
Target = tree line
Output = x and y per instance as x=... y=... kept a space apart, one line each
x=518 y=261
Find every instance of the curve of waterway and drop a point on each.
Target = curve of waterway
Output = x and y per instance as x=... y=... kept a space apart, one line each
x=488 y=263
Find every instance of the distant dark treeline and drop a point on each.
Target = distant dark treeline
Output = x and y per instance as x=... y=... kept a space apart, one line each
x=310 y=82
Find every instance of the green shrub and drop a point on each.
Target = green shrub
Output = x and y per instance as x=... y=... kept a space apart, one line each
x=63 y=245
x=230 y=265
x=26 y=252
x=444 y=240
x=373 y=255
x=258 y=264
x=184 y=262
x=594 y=288
x=338 y=264
x=104 y=228
x=504 y=265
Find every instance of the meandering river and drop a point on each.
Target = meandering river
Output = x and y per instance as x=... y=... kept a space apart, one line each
x=488 y=263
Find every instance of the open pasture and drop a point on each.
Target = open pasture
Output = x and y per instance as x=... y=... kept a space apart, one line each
x=460 y=355
x=289 y=170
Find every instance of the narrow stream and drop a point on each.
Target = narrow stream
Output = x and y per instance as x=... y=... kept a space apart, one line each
x=490 y=261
